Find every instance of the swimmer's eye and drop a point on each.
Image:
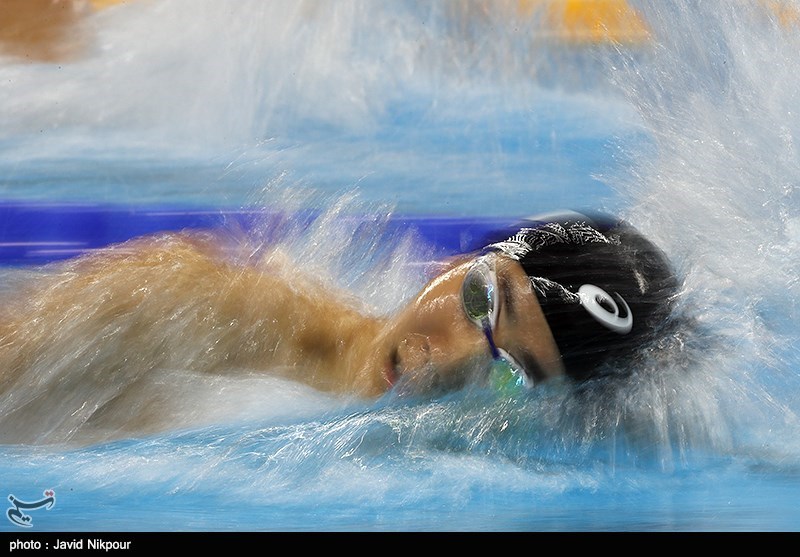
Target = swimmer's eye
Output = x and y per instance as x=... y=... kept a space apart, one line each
x=480 y=301
x=479 y=293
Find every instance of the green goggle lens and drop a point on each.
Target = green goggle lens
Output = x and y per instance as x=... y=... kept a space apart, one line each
x=504 y=379
x=506 y=376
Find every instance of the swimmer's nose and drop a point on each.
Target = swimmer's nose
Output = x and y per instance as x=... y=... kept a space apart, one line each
x=413 y=352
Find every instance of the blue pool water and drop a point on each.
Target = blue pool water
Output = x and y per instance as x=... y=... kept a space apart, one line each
x=376 y=109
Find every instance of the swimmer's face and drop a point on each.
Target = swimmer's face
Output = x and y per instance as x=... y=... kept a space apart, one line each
x=432 y=343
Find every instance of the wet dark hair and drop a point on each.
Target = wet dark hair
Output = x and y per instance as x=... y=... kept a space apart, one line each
x=604 y=288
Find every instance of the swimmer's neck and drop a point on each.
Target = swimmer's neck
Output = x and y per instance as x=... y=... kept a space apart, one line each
x=334 y=350
x=355 y=367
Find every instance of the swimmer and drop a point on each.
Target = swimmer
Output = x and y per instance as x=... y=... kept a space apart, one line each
x=567 y=296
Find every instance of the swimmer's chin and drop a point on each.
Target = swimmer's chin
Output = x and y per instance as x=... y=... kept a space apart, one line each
x=422 y=381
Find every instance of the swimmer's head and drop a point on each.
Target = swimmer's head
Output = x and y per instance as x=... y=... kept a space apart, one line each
x=604 y=288
x=552 y=297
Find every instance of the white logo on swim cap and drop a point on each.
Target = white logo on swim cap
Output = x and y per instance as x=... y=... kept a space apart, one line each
x=605 y=310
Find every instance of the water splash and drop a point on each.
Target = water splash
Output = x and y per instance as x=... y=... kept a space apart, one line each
x=244 y=74
x=715 y=182
x=451 y=94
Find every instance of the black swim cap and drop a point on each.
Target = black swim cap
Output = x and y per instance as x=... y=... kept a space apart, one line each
x=604 y=288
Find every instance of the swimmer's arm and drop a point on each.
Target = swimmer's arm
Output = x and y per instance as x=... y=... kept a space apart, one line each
x=174 y=302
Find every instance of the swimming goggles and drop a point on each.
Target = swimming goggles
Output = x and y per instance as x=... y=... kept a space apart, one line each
x=481 y=301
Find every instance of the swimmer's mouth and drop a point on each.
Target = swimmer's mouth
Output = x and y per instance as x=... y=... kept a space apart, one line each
x=392 y=372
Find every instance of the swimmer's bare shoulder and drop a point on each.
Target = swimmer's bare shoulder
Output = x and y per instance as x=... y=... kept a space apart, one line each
x=176 y=301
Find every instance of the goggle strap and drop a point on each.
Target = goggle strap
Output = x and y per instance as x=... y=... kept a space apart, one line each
x=487 y=330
